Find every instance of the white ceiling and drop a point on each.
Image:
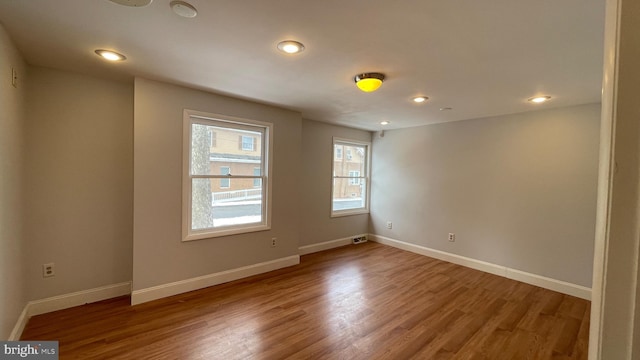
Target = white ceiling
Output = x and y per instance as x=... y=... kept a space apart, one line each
x=481 y=58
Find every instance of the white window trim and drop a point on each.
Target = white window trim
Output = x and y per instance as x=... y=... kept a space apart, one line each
x=365 y=178
x=267 y=147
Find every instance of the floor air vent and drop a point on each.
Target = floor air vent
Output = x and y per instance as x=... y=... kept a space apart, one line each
x=359 y=239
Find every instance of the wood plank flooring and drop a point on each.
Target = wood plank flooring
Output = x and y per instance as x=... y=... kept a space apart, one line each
x=366 y=301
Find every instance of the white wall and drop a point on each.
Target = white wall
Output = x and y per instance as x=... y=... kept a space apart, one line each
x=517 y=190
x=12 y=239
x=79 y=180
x=317 y=157
x=160 y=257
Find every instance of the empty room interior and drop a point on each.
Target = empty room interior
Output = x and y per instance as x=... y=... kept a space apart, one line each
x=337 y=180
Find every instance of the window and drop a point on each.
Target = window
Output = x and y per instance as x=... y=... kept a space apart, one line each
x=225 y=182
x=256 y=180
x=213 y=205
x=354 y=177
x=247 y=143
x=338 y=152
x=350 y=185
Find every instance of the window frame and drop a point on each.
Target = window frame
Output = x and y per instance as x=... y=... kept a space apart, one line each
x=364 y=178
x=233 y=123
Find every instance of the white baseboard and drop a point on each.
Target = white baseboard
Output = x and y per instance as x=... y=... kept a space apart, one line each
x=309 y=249
x=200 y=282
x=66 y=301
x=20 y=324
x=525 y=277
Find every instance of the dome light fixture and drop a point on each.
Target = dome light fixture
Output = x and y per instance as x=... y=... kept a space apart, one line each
x=539 y=99
x=369 y=82
x=290 y=46
x=110 y=55
x=420 y=99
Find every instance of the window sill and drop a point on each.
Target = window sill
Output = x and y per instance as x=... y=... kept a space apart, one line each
x=342 y=213
x=227 y=231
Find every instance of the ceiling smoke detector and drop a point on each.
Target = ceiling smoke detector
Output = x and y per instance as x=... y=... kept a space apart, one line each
x=132 y=3
x=183 y=9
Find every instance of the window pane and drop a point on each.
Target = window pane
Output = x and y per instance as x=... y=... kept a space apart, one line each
x=201 y=198
x=355 y=158
x=225 y=183
x=348 y=193
x=258 y=181
x=212 y=208
x=240 y=150
x=200 y=149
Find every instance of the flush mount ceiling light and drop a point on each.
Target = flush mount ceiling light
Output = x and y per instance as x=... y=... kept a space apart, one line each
x=110 y=55
x=132 y=3
x=183 y=9
x=420 y=99
x=539 y=99
x=290 y=46
x=369 y=82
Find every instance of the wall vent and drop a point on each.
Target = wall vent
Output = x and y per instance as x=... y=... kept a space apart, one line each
x=359 y=239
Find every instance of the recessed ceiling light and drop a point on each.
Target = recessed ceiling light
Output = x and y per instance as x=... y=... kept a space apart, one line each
x=539 y=99
x=110 y=55
x=420 y=99
x=290 y=46
x=183 y=9
x=369 y=82
x=384 y=122
x=132 y=3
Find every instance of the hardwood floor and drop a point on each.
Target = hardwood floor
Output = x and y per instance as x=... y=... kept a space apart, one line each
x=365 y=301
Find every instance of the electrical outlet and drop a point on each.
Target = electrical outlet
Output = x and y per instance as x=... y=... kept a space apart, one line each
x=48 y=270
x=389 y=225
x=452 y=237
x=274 y=242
